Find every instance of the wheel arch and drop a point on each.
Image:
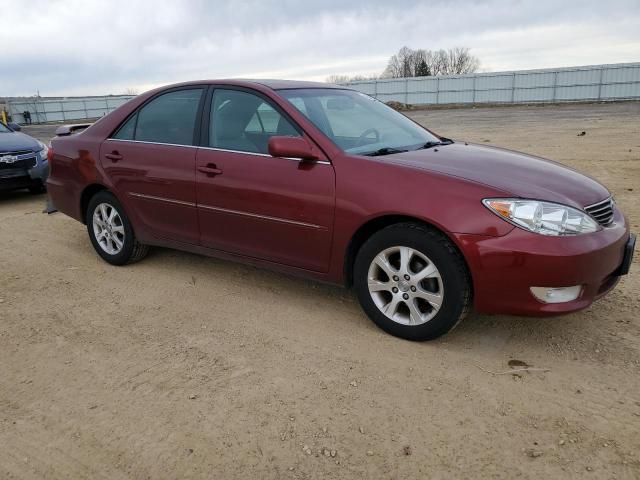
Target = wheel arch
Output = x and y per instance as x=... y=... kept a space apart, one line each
x=367 y=229
x=87 y=195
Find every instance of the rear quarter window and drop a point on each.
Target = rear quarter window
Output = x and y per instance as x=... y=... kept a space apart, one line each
x=127 y=130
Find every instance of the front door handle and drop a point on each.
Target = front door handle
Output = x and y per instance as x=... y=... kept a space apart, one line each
x=113 y=156
x=210 y=169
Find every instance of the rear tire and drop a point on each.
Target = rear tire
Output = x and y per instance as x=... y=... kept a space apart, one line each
x=412 y=281
x=111 y=232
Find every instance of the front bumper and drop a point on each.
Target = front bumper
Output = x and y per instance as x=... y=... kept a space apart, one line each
x=40 y=171
x=11 y=179
x=504 y=268
x=15 y=183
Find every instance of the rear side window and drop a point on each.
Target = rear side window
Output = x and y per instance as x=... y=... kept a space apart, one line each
x=126 y=131
x=299 y=104
x=265 y=120
x=169 y=118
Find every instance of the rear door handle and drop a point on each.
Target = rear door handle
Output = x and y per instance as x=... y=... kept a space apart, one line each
x=210 y=169
x=113 y=156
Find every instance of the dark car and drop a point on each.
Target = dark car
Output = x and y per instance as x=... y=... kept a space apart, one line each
x=23 y=160
x=331 y=184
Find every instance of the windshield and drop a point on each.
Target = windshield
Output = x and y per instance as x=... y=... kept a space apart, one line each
x=358 y=123
x=4 y=129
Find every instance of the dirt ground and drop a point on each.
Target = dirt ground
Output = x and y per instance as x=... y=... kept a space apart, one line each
x=189 y=367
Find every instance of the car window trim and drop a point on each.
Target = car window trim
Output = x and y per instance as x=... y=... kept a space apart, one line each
x=198 y=120
x=319 y=162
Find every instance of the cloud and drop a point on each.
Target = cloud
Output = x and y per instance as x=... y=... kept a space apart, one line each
x=75 y=47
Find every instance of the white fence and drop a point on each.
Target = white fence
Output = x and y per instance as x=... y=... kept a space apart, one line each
x=590 y=83
x=44 y=110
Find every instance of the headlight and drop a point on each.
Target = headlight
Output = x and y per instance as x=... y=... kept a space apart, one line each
x=43 y=151
x=544 y=218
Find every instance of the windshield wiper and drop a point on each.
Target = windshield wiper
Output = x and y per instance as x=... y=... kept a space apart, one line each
x=384 y=151
x=444 y=141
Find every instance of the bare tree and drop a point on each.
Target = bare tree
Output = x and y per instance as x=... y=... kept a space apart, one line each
x=337 y=79
x=345 y=78
x=402 y=64
x=360 y=78
x=457 y=61
x=420 y=63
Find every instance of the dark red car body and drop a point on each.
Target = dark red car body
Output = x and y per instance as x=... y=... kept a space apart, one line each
x=309 y=217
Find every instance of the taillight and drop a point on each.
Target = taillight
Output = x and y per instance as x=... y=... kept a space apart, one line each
x=50 y=153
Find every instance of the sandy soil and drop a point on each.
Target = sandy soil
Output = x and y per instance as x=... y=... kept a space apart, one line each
x=188 y=367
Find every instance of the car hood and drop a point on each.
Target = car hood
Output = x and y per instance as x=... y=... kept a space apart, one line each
x=520 y=174
x=13 y=141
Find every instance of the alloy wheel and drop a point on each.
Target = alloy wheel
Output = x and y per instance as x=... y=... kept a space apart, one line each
x=108 y=228
x=405 y=285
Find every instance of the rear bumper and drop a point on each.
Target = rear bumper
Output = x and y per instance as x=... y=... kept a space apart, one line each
x=66 y=198
x=504 y=268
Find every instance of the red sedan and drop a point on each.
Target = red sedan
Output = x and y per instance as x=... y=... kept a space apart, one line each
x=328 y=183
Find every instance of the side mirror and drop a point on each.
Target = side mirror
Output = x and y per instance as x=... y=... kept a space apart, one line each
x=291 y=147
x=14 y=126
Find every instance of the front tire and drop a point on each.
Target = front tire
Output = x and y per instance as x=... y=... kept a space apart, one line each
x=111 y=232
x=37 y=188
x=412 y=281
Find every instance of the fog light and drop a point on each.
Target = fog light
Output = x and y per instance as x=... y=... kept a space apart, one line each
x=556 y=294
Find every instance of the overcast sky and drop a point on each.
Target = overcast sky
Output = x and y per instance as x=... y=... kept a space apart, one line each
x=86 y=47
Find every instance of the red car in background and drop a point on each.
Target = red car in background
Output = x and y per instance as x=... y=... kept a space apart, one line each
x=326 y=182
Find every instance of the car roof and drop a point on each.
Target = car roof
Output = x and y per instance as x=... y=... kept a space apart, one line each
x=286 y=84
x=272 y=84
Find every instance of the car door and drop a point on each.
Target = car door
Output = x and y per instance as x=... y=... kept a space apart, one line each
x=151 y=162
x=251 y=203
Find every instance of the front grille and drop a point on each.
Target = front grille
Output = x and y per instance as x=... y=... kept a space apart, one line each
x=26 y=159
x=17 y=152
x=602 y=212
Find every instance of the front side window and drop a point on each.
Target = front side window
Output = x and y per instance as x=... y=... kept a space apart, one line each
x=245 y=122
x=356 y=122
x=169 y=118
